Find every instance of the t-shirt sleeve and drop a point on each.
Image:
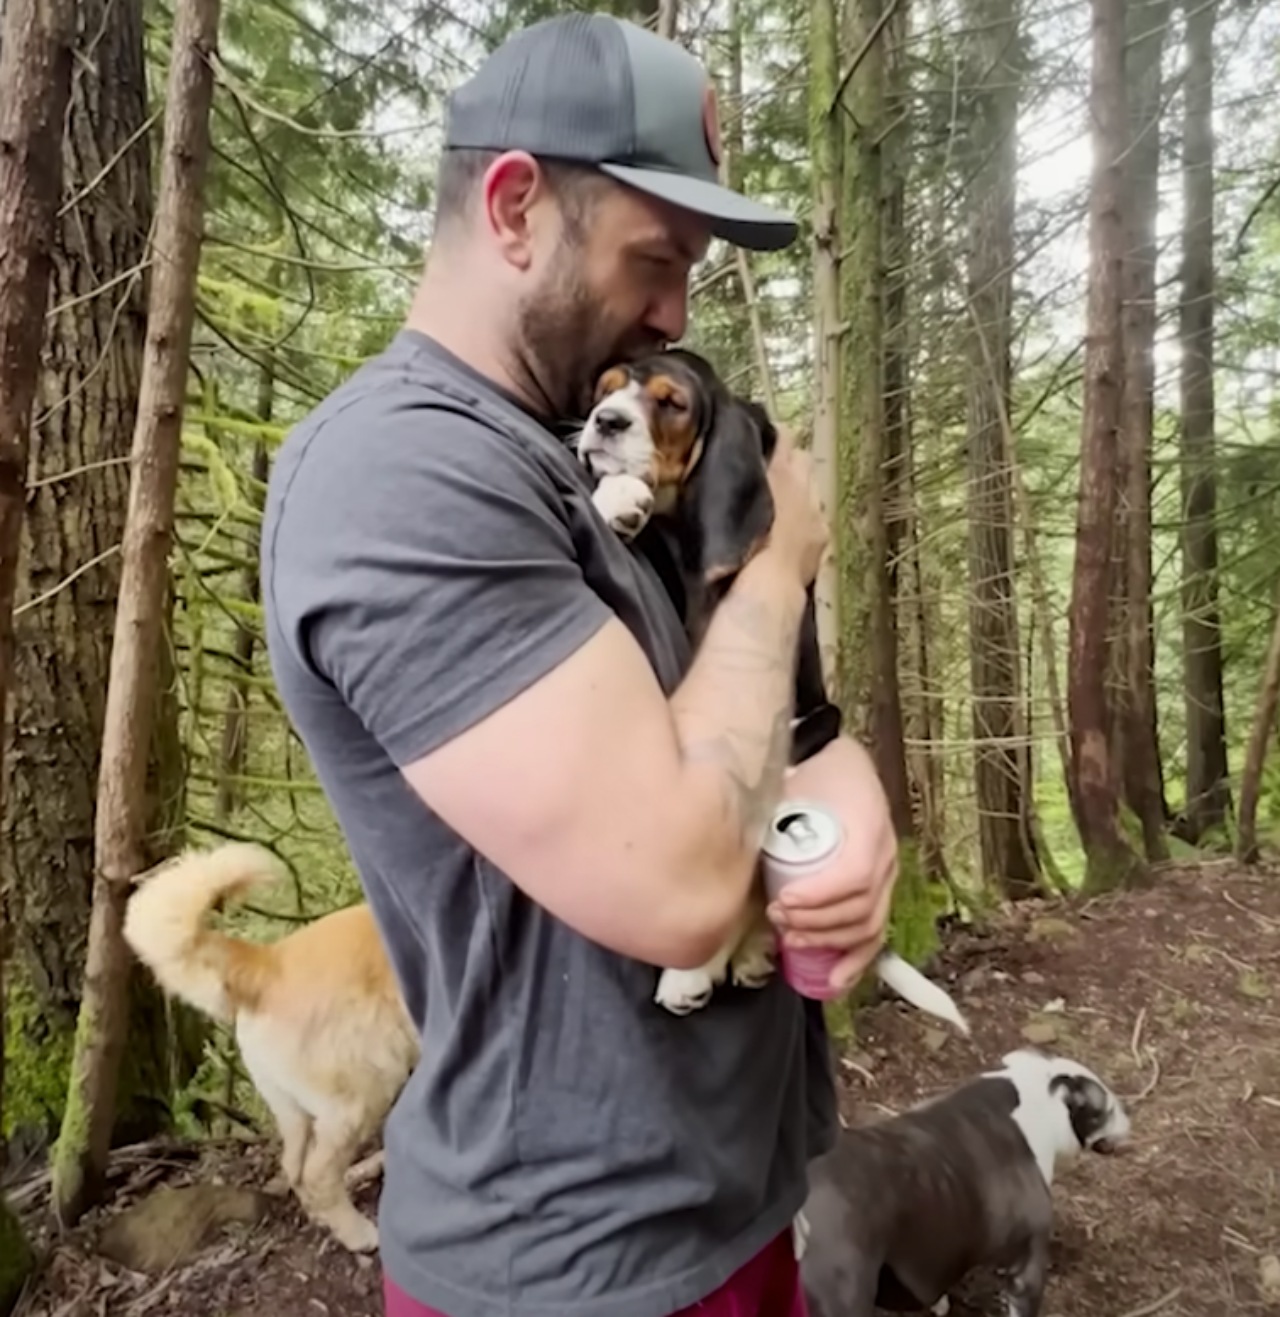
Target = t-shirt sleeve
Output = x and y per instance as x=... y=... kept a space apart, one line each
x=427 y=572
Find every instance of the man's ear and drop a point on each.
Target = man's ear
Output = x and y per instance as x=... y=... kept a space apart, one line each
x=730 y=502
x=512 y=185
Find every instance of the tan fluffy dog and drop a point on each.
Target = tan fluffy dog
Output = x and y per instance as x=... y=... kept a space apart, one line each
x=317 y=1015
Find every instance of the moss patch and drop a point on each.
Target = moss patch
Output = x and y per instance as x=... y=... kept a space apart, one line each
x=163 y=1051
x=37 y=1059
x=917 y=903
x=16 y=1260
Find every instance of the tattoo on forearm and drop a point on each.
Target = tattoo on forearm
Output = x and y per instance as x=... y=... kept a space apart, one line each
x=752 y=767
x=751 y=648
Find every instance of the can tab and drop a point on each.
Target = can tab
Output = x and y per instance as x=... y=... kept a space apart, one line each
x=799 y=833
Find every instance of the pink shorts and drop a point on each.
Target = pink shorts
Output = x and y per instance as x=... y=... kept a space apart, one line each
x=767 y=1286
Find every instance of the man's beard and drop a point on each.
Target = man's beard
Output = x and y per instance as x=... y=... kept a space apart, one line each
x=566 y=343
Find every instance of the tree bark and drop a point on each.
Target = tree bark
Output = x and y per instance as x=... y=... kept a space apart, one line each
x=1137 y=735
x=1008 y=849
x=120 y=852
x=36 y=40
x=1264 y=717
x=235 y=717
x=868 y=633
x=1208 y=795
x=825 y=150
x=78 y=471
x=1108 y=860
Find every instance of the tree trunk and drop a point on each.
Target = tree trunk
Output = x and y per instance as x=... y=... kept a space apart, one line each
x=235 y=717
x=1208 y=797
x=868 y=633
x=825 y=150
x=36 y=41
x=1009 y=859
x=1109 y=861
x=120 y=854
x=901 y=512
x=1264 y=717
x=1136 y=713
x=84 y=415
x=868 y=639
x=734 y=152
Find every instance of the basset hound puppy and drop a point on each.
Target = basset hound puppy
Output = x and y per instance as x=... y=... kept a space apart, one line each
x=683 y=461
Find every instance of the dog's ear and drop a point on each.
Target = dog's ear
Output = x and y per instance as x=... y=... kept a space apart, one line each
x=728 y=492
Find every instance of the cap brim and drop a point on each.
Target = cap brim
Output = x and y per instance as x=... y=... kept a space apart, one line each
x=733 y=217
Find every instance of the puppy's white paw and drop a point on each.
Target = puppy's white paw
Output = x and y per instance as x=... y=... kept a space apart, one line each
x=752 y=965
x=942 y=1307
x=625 y=502
x=683 y=990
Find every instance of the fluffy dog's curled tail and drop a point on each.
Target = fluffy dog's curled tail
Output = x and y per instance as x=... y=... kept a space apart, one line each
x=166 y=925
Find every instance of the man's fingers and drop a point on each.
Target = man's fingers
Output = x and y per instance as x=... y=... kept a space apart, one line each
x=853 y=966
x=865 y=916
x=831 y=888
x=855 y=909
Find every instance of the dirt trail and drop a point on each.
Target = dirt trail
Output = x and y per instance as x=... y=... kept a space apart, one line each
x=1172 y=994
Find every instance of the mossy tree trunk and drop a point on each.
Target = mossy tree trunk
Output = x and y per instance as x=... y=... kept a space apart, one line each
x=36 y=43
x=826 y=152
x=138 y=644
x=1002 y=770
x=867 y=663
x=901 y=511
x=1208 y=796
x=1136 y=738
x=79 y=479
x=1109 y=860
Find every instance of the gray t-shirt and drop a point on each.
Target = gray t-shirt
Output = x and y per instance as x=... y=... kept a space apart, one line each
x=566 y=1147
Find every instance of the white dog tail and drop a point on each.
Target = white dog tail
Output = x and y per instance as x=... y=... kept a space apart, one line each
x=910 y=984
x=165 y=924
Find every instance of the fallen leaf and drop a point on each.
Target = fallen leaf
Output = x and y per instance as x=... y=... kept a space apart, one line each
x=1049 y=929
x=1054 y=1007
x=1252 y=984
x=1040 y=1033
x=1269 y=1278
x=934 y=1039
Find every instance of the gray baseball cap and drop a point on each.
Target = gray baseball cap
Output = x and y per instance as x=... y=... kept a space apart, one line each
x=601 y=91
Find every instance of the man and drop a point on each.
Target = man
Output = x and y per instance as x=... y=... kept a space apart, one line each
x=544 y=797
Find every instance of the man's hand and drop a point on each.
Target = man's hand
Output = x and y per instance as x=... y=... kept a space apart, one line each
x=848 y=905
x=799 y=532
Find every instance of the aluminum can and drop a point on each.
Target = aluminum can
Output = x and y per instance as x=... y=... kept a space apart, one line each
x=801 y=840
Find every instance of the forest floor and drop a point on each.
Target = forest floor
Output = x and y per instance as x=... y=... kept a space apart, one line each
x=1172 y=994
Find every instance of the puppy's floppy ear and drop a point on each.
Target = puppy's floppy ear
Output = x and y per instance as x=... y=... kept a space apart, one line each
x=728 y=492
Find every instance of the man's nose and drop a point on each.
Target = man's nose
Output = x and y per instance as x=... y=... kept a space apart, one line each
x=669 y=317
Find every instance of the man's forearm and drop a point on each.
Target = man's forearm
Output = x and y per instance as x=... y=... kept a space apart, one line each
x=733 y=710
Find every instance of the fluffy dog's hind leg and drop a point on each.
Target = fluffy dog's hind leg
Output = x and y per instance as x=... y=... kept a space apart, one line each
x=295 y=1136
x=336 y=1139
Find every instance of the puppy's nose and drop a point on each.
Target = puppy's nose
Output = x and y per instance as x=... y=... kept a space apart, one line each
x=609 y=421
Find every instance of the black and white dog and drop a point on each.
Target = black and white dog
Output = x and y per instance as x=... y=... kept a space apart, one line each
x=901 y=1210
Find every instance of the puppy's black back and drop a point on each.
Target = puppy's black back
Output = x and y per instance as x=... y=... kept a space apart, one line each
x=741 y=507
